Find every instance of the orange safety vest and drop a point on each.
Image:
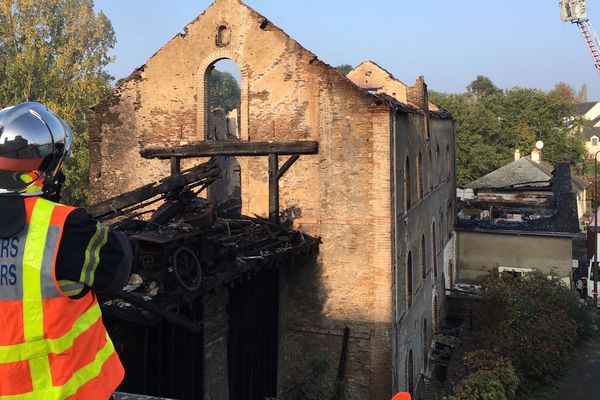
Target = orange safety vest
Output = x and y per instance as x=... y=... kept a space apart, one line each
x=51 y=347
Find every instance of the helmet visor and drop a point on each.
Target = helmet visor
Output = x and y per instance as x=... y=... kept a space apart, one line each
x=21 y=154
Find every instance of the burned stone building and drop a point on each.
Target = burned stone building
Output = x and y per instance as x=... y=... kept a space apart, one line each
x=518 y=219
x=379 y=194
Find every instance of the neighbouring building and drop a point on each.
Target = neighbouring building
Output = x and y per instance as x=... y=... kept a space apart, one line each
x=531 y=171
x=590 y=112
x=518 y=220
x=380 y=193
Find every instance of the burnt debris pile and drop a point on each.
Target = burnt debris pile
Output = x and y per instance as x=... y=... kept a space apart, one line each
x=184 y=249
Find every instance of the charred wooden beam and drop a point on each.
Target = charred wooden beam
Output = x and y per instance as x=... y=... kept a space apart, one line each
x=341 y=372
x=232 y=148
x=114 y=206
x=175 y=165
x=286 y=165
x=273 y=188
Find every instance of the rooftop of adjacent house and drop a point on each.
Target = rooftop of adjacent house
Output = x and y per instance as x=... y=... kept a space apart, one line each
x=582 y=108
x=533 y=207
x=590 y=131
x=523 y=173
x=378 y=81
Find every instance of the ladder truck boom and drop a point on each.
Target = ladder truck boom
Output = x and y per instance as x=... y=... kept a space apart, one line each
x=591 y=40
x=574 y=11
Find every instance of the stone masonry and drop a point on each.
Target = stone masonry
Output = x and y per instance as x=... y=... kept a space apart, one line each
x=352 y=194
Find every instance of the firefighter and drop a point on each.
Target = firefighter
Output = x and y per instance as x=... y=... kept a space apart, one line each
x=53 y=261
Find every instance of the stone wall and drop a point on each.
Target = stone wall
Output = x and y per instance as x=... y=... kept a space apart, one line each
x=344 y=194
x=478 y=253
x=425 y=217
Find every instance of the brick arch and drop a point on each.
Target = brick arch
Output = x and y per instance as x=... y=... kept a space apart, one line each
x=202 y=91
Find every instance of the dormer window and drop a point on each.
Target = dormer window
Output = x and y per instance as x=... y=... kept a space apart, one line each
x=594 y=141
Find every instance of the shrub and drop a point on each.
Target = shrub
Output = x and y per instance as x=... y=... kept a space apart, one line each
x=501 y=367
x=532 y=320
x=480 y=385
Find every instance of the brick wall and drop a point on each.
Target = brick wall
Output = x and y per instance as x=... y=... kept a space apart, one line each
x=343 y=194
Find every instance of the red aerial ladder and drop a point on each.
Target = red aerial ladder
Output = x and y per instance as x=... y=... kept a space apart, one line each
x=574 y=11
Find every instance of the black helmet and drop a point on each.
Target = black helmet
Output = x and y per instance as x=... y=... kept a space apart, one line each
x=33 y=144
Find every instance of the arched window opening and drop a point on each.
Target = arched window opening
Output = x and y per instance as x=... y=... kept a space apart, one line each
x=448 y=162
x=451 y=274
x=442 y=229
x=223 y=98
x=223 y=36
x=419 y=176
x=434 y=314
x=450 y=218
x=430 y=171
x=410 y=373
x=425 y=343
x=433 y=250
x=407 y=194
x=423 y=266
x=438 y=163
x=409 y=280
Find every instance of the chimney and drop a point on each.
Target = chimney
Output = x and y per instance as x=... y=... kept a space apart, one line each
x=517 y=154
x=417 y=95
x=535 y=155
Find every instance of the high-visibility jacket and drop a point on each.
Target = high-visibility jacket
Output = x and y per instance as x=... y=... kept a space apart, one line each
x=29 y=177
x=52 y=347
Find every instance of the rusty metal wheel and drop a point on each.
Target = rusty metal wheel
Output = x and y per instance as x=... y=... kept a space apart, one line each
x=187 y=268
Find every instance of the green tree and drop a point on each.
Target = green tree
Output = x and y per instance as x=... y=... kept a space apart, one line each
x=536 y=322
x=224 y=90
x=344 y=68
x=491 y=123
x=565 y=90
x=481 y=87
x=527 y=327
x=55 y=52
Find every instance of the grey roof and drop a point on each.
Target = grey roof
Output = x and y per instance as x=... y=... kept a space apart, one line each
x=582 y=108
x=579 y=183
x=522 y=173
x=589 y=131
x=407 y=108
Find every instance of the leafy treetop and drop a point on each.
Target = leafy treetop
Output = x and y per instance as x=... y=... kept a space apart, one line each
x=492 y=123
x=55 y=52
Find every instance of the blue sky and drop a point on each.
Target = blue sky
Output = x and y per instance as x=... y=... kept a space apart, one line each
x=513 y=42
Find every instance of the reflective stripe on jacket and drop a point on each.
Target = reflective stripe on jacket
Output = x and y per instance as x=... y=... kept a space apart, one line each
x=51 y=347
x=29 y=177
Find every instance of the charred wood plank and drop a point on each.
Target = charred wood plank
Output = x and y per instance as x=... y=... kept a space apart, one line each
x=273 y=188
x=173 y=317
x=214 y=148
x=286 y=165
x=175 y=165
x=341 y=372
x=115 y=205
